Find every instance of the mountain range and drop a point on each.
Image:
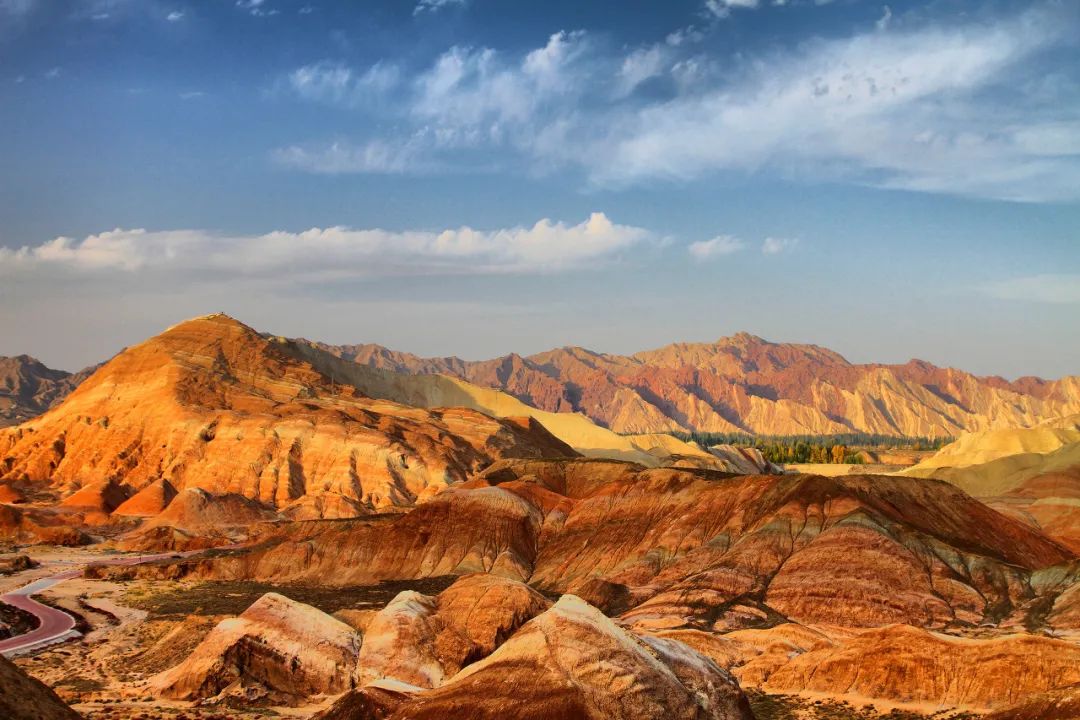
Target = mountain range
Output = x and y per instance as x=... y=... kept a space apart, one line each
x=738 y=384
x=539 y=564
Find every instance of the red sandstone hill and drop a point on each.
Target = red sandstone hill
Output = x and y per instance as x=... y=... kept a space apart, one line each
x=746 y=384
x=710 y=549
x=791 y=582
x=212 y=404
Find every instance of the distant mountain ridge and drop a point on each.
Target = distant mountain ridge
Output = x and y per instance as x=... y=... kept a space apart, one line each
x=29 y=388
x=743 y=383
x=740 y=383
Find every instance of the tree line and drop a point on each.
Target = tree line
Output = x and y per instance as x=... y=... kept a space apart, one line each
x=839 y=448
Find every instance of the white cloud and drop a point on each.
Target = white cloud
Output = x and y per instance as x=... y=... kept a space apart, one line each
x=192 y=95
x=723 y=8
x=903 y=110
x=1049 y=288
x=885 y=19
x=775 y=246
x=52 y=73
x=435 y=5
x=336 y=82
x=717 y=247
x=174 y=16
x=258 y=8
x=336 y=252
x=959 y=109
x=639 y=66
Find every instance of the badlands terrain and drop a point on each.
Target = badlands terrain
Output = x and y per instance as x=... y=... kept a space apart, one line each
x=243 y=525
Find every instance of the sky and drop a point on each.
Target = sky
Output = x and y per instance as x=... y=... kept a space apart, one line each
x=473 y=177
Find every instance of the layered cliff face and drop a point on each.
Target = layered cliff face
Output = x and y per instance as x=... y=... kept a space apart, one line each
x=701 y=549
x=211 y=404
x=28 y=388
x=746 y=384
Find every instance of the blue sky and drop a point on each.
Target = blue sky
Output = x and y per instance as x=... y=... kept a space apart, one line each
x=474 y=177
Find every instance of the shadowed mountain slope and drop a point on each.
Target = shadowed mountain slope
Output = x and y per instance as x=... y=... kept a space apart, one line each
x=28 y=388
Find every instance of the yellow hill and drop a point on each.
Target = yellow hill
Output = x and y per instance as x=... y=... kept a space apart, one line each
x=993 y=462
x=436 y=391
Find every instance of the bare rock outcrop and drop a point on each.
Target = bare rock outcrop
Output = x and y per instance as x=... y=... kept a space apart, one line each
x=573 y=662
x=195 y=519
x=149 y=501
x=423 y=640
x=278 y=645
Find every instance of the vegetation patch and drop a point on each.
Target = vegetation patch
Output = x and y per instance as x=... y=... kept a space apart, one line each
x=792 y=707
x=232 y=598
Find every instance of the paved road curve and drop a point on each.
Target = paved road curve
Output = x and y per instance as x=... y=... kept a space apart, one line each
x=55 y=625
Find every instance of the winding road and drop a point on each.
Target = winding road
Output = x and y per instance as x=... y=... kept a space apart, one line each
x=55 y=625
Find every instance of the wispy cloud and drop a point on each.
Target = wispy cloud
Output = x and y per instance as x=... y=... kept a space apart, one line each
x=431 y=6
x=722 y=8
x=886 y=17
x=717 y=247
x=336 y=82
x=945 y=109
x=336 y=252
x=192 y=95
x=175 y=16
x=53 y=73
x=258 y=8
x=336 y=158
x=775 y=246
x=1050 y=288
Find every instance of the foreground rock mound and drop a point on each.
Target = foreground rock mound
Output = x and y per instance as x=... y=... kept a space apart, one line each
x=276 y=646
x=423 y=640
x=211 y=404
x=569 y=662
x=24 y=698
